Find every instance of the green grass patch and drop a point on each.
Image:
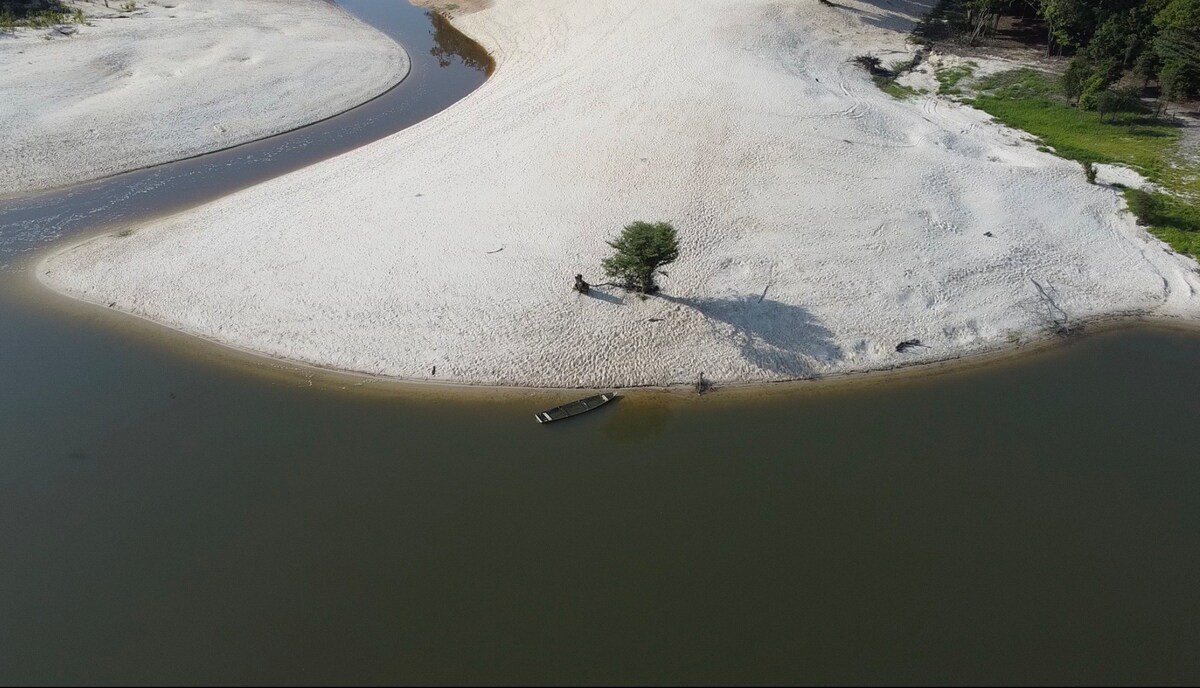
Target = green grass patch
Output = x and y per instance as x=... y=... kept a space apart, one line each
x=1029 y=100
x=1022 y=83
x=1171 y=219
x=1032 y=101
x=895 y=90
x=1180 y=241
x=949 y=78
x=905 y=66
x=885 y=78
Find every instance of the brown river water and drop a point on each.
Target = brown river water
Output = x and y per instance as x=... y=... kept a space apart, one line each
x=170 y=513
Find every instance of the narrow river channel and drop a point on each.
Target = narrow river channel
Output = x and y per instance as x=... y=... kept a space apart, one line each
x=171 y=513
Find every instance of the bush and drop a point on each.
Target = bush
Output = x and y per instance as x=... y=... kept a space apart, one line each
x=642 y=249
x=1092 y=88
x=1177 y=80
x=872 y=64
x=1112 y=101
x=1075 y=79
x=1145 y=206
x=885 y=78
x=1147 y=67
x=1171 y=219
x=1163 y=210
x=1085 y=79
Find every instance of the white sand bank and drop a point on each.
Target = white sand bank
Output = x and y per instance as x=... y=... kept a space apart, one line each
x=175 y=79
x=822 y=221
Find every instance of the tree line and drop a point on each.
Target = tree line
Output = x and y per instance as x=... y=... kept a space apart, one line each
x=1153 y=41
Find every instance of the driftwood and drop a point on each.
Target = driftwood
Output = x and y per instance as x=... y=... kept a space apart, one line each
x=1057 y=320
x=909 y=344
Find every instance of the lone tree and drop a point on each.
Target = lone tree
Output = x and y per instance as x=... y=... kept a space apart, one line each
x=642 y=249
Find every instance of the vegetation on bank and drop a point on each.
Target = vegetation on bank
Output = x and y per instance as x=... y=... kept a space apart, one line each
x=948 y=79
x=1128 y=61
x=886 y=77
x=1134 y=137
x=1033 y=101
x=1152 y=40
x=640 y=253
x=1170 y=218
x=37 y=14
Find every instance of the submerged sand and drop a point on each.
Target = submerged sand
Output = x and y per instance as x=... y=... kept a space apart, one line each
x=172 y=80
x=822 y=221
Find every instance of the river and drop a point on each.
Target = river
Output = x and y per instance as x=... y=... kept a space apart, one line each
x=169 y=512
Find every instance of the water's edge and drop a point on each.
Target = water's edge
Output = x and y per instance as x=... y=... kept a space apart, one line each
x=216 y=352
x=39 y=194
x=228 y=354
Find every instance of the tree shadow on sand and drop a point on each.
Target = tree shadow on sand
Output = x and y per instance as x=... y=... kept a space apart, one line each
x=774 y=336
x=600 y=294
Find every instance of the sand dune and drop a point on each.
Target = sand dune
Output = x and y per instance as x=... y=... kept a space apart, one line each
x=822 y=221
x=171 y=80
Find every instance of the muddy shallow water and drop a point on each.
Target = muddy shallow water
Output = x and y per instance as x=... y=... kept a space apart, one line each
x=169 y=515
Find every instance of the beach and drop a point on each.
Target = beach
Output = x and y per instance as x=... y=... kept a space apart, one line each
x=822 y=221
x=171 y=80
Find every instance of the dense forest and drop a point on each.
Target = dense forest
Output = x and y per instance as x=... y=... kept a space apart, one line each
x=1109 y=42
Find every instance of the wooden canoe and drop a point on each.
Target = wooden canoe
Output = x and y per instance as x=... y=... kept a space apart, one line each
x=574 y=408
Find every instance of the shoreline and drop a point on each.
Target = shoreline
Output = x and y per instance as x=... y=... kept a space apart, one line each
x=216 y=352
x=131 y=91
x=36 y=194
x=969 y=350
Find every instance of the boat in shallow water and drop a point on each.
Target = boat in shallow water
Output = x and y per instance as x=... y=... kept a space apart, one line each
x=575 y=408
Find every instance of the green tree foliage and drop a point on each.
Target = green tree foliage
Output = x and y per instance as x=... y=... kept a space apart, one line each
x=1121 y=37
x=1076 y=79
x=1085 y=79
x=1147 y=67
x=641 y=250
x=1112 y=101
x=1067 y=22
x=981 y=16
x=1177 y=45
x=1153 y=40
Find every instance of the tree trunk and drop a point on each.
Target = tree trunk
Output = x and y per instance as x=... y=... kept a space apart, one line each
x=645 y=282
x=980 y=22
